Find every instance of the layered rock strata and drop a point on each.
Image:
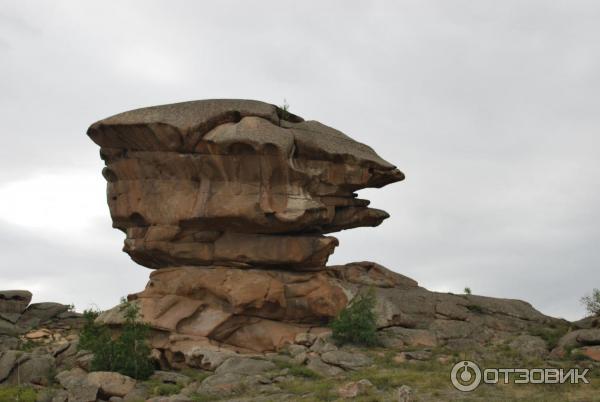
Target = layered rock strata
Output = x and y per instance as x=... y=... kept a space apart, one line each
x=231 y=201
x=234 y=183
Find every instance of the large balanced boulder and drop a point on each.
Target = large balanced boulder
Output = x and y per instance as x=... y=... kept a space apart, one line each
x=235 y=183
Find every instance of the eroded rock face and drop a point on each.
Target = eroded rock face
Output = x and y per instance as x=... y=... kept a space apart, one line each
x=230 y=202
x=235 y=183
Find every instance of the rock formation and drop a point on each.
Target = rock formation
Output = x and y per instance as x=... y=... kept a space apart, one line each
x=229 y=201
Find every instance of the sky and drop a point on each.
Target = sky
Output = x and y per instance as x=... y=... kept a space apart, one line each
x=490 y=109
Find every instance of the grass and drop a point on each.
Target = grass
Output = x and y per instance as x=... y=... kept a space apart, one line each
x=157 y=388
x=297 y=370
x=551 y=334
x=16 y=393
x=196 y=375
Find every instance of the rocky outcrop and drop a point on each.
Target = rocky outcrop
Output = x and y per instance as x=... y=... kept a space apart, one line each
x=231 y=201
x=234 y=183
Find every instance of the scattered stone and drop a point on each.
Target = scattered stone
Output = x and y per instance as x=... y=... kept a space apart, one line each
x=245 y=366
x=300 y=358
x=444 y=359
x=418 y=355
x=78 y=387
x=33 y=369
x=111 y=383
x=38 y=334
x=355 y=388
x=322 y=346
x=326 y=370
x=346 y=360
x=84 y=360
x=39 y=313
x=295 y=350
x=140 y=392
x=222 y=384
x=399 y=358
x=404 y=394
x=305 y=338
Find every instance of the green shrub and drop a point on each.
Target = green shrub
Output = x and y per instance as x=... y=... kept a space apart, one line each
x=357 y=322
x=592 y=302
x=467 y=290
x=128 y=354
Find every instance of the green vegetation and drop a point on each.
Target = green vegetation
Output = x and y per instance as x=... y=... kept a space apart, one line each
x=297 y=370
x=467 y=290
x=157 y=388
x=551 y=334
x=28 y=345
x=356 y=323
x=284 y=111
x=128 y=354
x=16 y=393
x=475 y=308
x=592 y=302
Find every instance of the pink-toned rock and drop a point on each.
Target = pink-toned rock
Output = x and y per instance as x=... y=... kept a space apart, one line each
x=593 y=352
x=224 y=182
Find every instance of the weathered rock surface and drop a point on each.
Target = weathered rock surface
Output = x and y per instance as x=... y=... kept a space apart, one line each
x=234 y=182
x=230 y=201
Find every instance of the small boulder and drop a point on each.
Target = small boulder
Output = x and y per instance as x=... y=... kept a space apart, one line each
x=404 y=394
x=295 y=350
x=305 y=338
x=39 y=313
x=111 y=384
x=321 y=345
x=78 y=387
x=14 y=301
x=222 y=384
x=355 y=388
x=245 y=366
x=326 y=370
x=418 y=355
x=346 y=360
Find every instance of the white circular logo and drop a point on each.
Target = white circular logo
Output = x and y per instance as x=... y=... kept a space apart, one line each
x=465 y=376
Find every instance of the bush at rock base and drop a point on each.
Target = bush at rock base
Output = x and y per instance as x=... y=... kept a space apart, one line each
x=357 y=323
x=128 y=354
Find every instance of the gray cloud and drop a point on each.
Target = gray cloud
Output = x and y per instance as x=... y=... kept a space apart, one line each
x=488 y=107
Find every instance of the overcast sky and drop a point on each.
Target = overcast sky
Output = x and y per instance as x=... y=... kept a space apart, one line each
x=490 y=109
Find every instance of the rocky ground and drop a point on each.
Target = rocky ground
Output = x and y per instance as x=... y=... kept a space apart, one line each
x=39 y=361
